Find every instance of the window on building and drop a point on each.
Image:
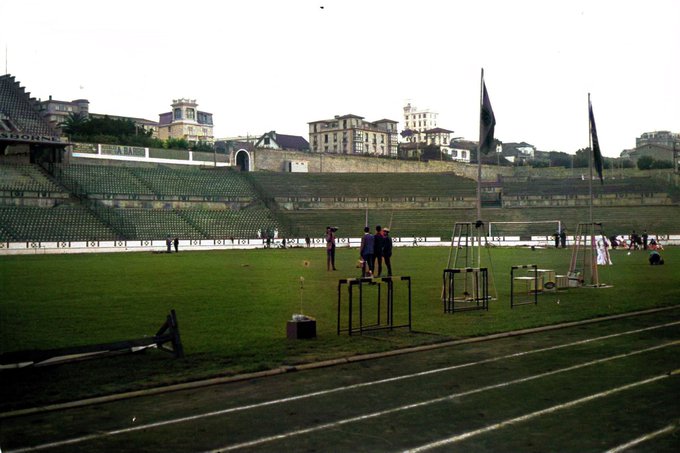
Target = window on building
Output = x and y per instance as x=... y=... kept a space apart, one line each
x=178 y=114
x=325 y=138
x=190 y=114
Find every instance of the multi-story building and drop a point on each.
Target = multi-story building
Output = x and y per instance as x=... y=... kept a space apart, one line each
x=350 y=134
x=56 y=112
x=417 y=122
x=187 y=122
x=421 y=130
x=663 y=138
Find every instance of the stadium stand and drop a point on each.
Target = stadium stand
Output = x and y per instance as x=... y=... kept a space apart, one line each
x=577 y=186
x=59 y=223
x=223 y=224
x=223 y=183
x=149 y=224
x=20 y=112
x=96 y=179
x=26 y=178
x=307 y=185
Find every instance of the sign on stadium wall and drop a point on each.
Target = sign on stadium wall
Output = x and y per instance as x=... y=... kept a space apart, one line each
x=119 y=150
x=29 y=138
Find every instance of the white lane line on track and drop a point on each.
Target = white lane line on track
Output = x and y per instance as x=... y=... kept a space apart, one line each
x=437 y=400
x=643 y=439
x=329 y=391
x=523 y=418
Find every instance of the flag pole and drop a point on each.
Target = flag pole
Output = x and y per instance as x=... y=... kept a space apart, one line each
x=479 y=149
x=590 y=163
x=479 y=170
x=594 y=278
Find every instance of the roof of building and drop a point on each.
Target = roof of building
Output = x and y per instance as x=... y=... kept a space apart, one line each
x=292 y=141
x=438 y=130
x=20 y=112
x=285 y=141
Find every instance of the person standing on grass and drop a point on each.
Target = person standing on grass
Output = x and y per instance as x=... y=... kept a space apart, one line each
x=563 y=238
x=366 y=252
x=378 y=244
x=330 y=248
x=645 y=237
x=168 y=243
x=176 y=242
x=387 y=250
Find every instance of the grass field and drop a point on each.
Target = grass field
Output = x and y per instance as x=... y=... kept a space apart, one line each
x=233 y=306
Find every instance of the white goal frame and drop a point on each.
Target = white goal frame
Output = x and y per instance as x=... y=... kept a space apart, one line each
x=528 y=222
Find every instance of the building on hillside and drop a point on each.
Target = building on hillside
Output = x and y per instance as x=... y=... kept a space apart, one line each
x=351 y=134
x=417 y=122
x=421 y=132
x=187 y=122
x=653 y=150
x=56 y=112
x=252 y=139
x=663 y=138
x=518 y=152
x=462 y=150
x=272 y=140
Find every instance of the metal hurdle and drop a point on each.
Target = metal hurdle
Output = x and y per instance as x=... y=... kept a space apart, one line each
x=380 y=320
x=532 y=284
x=472 y=285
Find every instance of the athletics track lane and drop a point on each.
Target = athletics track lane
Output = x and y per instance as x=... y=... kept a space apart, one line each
x=587 y=388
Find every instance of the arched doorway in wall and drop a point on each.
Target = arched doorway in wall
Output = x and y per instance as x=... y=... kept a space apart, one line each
x=243 y=160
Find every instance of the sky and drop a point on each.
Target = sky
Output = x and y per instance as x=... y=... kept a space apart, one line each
x=262 y=65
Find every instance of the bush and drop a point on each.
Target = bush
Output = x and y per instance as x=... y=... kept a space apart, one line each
x=645 y=162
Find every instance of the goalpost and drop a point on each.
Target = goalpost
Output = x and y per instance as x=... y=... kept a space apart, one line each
x=524 y=228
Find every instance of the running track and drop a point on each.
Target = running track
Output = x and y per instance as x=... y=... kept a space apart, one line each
x=607 y=386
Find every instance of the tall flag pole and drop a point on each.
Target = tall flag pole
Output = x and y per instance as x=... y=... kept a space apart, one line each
x=595 y=159
x=487 y=122
x=597 y=155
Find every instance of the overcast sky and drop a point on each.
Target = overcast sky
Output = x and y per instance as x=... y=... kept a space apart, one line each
x=262 y=65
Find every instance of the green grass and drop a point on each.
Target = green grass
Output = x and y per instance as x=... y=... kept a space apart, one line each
x=233 y=306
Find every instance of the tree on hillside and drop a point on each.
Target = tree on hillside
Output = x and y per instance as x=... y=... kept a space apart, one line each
x=645 y=162
x=73 y=124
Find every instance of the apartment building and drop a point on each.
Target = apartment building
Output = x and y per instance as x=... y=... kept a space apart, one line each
x=417 y=122
x=186 y=121
x=351 y=134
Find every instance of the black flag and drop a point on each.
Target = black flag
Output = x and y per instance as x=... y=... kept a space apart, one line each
x=597 y=155
x=487 y=123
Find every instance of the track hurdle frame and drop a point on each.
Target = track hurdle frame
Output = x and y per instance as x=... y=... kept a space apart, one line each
x=168 y=333
x=532 y=268
x=477 y=300
x=381 y=323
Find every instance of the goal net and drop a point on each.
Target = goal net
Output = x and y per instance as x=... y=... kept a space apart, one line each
x=524 y=230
